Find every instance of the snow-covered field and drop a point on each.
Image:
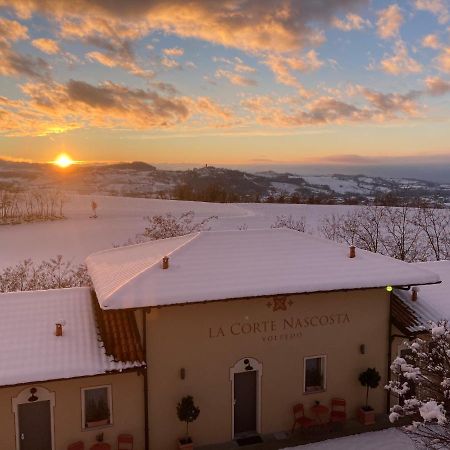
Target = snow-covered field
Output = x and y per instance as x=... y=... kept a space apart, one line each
x=120 y=218
x=391 y=439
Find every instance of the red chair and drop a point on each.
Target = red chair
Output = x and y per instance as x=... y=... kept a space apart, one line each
x=101 y=446
x=338 y=410
x=300 y=419
x=76 y=446
x=125 y=442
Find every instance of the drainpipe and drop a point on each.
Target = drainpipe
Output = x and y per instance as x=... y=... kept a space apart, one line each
x=390 y=341
x=144 y=337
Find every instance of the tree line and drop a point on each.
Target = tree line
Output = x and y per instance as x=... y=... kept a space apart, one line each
x=30 y=206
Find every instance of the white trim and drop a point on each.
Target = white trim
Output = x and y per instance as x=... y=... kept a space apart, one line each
x=83 y=407
x=324 y=373
x=243 y=366
x=43 y=395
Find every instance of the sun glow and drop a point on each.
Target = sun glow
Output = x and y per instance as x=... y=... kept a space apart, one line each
x=63 y=160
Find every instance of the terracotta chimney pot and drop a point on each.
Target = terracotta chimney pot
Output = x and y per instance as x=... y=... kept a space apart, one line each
x=352 y=252
x=58 y=329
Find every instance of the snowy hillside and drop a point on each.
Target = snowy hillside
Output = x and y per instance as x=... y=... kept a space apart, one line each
x=140 y=179
x=120 y=218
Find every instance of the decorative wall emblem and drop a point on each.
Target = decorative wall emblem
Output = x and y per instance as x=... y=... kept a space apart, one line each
x=279 y=303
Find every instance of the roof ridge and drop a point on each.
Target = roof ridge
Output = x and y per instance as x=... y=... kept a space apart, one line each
x=193 y=236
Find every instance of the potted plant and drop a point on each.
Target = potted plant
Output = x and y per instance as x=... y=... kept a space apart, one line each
x=97 y=414
x=369 y=379
x=187 y=412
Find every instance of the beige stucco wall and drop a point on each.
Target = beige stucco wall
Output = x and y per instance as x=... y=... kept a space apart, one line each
x=206 y=340
x=128 y=415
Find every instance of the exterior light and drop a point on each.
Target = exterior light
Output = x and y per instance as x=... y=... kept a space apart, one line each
x=389 y=288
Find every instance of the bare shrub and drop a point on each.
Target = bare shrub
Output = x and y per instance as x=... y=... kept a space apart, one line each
x=284 y=221
x=51 y=274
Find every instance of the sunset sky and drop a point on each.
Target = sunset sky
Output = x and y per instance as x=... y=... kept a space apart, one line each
x=226 y=82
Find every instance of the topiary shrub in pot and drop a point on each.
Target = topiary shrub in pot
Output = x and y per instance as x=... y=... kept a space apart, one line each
x=187 y=412
x=370 y=379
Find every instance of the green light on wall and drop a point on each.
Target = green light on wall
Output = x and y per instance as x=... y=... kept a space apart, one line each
x=389 y=288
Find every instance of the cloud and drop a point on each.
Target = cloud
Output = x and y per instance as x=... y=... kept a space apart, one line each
x=283 y=66
x=431 y=41
x=13 y=63
x=393 y=102
x=11 y=30
x=170 y=63
x=351 y=22
x=113 y=60
x=443 y=60
x=389 y=21
x=174 y=51
x=55 y=108
x=48 y=46
x=440 y=8
x=327 y=110
x=235 y=78
x=400 y=62
x=167 y=88
x=254 y=25
x=437 y=86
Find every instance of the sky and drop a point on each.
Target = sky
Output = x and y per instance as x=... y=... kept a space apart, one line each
x=231 y=82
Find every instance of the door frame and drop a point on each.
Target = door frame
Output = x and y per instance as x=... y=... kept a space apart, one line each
x=242 y=366
x=42 y=395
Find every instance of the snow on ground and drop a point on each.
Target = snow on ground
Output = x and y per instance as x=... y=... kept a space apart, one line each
x=391 y=439
x=337 y=185
x=285 y=187
x=120 y=218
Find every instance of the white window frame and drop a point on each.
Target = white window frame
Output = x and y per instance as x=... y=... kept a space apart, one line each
x=324 y=373
x=83 y=407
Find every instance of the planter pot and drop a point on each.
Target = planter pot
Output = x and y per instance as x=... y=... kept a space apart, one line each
x=366 y=417
x=97 y=423
x=183 y=445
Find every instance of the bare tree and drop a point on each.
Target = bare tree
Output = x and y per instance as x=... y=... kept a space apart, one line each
x=426 y=372
x=435 y=225
x=402 y=238
x=167 y=225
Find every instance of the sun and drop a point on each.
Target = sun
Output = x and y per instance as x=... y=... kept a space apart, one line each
x=63 y=160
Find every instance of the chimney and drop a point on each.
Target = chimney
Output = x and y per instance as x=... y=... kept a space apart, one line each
x=414 y=294
x=352 y=252
x=58 y=329
x=165 y=262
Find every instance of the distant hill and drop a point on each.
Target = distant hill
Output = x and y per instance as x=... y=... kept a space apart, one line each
x=140 y=179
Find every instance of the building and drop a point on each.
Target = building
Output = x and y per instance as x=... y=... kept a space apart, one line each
x=247 y=322
x=56 y=390
x=413 y=309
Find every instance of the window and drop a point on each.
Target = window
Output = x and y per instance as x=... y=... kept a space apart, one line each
x=96 y=407
x=314 y=376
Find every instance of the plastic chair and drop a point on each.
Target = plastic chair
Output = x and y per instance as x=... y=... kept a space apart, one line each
x=101 y=446
x=76 y=446
x=299 y=417
x=338 y=410
x=125 y=442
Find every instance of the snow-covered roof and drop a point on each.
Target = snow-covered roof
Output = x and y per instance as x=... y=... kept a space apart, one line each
x=29 y=349
x=433 y=301
x=217 y=265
